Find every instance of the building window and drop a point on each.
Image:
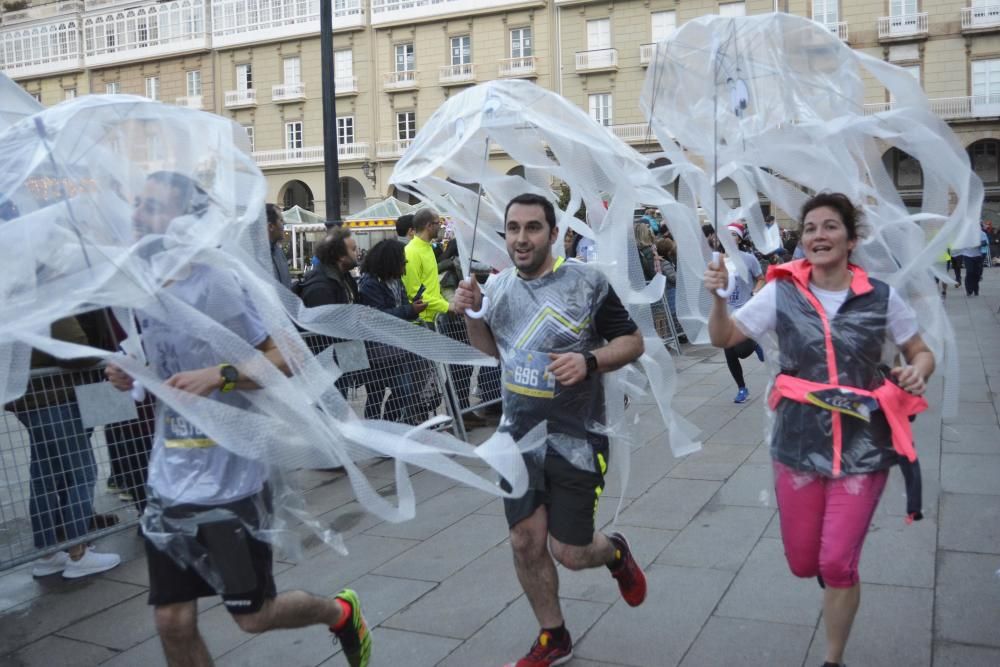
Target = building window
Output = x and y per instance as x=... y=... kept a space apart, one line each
x=520 y=43
x=112 y=88
x=37 y=96
x=249 y=130
x=345 y=130
x=293 y=71
x=194 y=83
x=69 y=94
x=244 y=77
x=984 y=160
x=905 y=169
x=600 y=108
x=986 y=80
x=153 y=87
x=902 y=7
x=664 y=24
x=598 y=34
x=461 y=50
x=406 y=125
x=732 y=9
x=343 y=64
x=406 y=59
x=826 y=12
x=293 y=135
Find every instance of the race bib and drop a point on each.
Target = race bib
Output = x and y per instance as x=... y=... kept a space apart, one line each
x=179 y=433
x=525 y=373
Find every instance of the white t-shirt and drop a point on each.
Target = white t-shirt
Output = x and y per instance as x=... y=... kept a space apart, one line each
x=760 y=315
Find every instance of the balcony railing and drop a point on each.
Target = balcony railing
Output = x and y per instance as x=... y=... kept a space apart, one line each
x=904 y=25
x=392 y=149
x=281 y=156
x=646 y=52
x=349 y=152
x=455 y=74
x=951 y=108
x=147 y=31
x=346 y=85
x=309 y=155
x=633 y=132
x=596 y=59
x=241 y=98
x=247 y=21
x=190 y=102
x=838 y=28
x=288 y=92
x=987 y=16
x=401 y=80
x=515 y=67
x=413 y=11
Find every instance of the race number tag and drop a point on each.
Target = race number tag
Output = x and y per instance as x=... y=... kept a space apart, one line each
x=526 y=374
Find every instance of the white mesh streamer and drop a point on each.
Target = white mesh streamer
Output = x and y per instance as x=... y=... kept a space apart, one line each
x=68 y=178
x=553 y=141
x=775 y=103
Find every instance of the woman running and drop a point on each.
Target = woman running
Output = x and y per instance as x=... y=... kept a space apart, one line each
x=841 y=420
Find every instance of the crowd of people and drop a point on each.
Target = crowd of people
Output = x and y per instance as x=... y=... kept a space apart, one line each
x=557 y=326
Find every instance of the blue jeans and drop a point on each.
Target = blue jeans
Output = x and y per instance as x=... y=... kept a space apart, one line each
x=63 y=472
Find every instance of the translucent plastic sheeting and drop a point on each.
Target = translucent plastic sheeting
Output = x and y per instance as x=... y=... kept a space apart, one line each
x=448 y=165
x=775 y=104
x=185 y=252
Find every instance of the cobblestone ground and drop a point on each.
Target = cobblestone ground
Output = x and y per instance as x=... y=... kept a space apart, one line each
x=441 y=590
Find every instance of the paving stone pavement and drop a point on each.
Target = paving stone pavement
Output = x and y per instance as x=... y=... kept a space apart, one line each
x=441 y=589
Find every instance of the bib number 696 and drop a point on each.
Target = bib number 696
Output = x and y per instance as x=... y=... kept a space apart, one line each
x=527 y=376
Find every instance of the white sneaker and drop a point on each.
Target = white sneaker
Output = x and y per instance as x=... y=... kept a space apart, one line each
x=92 y=562
x=53 y=564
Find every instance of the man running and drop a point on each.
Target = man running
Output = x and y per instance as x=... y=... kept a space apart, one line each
x=195 y=483
x=556 y=327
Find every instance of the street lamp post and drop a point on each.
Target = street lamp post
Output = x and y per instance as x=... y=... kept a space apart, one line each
x=331 y=157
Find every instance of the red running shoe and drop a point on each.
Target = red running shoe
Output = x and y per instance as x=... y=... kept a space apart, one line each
x=631 y=580
x=546 y=652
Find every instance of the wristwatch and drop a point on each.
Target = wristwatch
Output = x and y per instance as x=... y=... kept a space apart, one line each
x=591 y=362
x=229 y=377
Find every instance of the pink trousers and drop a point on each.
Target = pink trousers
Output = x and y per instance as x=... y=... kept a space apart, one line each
x=824 y=521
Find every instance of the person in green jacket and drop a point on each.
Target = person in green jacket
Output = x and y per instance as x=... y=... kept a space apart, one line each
x=421 y=265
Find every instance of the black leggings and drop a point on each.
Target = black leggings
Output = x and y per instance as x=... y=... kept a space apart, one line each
x=733 y=356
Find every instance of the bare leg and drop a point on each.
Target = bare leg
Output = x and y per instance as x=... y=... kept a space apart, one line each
x=294 y=609
x=177 y=625
x=599 y=552
x=535 y=568
x=839 y=607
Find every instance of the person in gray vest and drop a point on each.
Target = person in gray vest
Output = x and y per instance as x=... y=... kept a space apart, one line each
x=841 y=418
x=275 y=235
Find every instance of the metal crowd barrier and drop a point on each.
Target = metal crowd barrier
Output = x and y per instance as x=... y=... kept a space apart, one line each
x=74 y=451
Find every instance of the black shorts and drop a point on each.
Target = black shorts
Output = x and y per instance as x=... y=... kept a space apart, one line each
x=244 y=563
x=569 y=494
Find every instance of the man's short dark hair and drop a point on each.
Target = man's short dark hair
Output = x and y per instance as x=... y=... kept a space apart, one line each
x=273 y=213
x=333 y=247
x=422 y=218
x=531 y=199
x=404 y=224
x=192 y=198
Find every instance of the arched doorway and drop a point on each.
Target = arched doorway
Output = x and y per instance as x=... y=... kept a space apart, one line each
x=403 y=196
x=985 y=158
x=906 y=175
x=352 y=196
x=517 y=170
x=296 y=193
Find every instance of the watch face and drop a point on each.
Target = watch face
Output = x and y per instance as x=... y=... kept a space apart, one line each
x=230 y=374
x=591 y=362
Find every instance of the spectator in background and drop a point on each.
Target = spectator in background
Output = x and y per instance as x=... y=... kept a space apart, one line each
x=63 y=471
x=648 y=258
x=570 y=241
x=404 y=228
x=275 y=235
x=972 y=260
x=332 y=282
x=421 y=265
x=381 y=287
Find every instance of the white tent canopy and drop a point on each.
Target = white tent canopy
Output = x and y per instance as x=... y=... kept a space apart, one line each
x=389 y=208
